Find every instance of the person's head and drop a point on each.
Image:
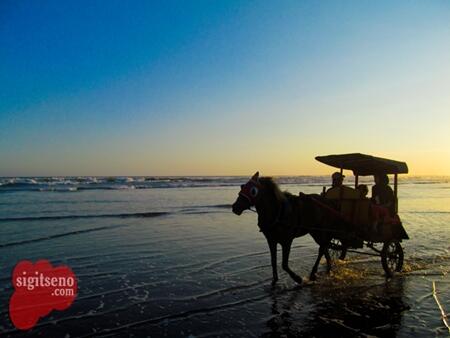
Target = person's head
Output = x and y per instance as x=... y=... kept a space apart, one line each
x=337 y=179
x=382 y=179
x=363 y=190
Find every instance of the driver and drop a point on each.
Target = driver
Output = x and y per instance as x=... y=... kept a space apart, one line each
x=338 y=190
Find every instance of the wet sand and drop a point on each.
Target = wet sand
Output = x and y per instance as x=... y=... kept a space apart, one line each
x=196 y=269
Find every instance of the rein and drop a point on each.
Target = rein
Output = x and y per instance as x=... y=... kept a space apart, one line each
x=328 y=209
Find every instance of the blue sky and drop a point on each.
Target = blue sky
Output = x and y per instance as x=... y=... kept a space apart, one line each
x=221 y=87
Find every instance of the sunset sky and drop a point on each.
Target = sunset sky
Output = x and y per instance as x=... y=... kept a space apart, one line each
x=221 y=87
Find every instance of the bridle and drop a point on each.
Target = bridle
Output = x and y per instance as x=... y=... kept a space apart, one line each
x=250 y=191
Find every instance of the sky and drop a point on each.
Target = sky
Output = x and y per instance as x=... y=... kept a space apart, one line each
x=221 y=87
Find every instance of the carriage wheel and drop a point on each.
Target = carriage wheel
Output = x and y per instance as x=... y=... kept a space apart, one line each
x=392 y=258
x=337 y=250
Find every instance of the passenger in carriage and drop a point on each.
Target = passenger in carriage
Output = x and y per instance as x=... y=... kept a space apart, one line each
x=363 y=190
x=383 y=203
x=382 y=194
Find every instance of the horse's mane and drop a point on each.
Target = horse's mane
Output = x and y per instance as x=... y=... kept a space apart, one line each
x=270 y=184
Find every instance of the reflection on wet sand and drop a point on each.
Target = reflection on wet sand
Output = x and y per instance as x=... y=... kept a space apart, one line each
x=338 y=311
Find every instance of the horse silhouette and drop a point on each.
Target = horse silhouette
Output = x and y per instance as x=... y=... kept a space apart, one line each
x=283 y=216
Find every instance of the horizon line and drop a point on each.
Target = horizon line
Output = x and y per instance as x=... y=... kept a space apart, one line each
x=210 y=175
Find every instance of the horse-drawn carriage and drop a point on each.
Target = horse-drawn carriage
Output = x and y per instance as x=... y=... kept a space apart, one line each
x=366 y=228
x=339 y=221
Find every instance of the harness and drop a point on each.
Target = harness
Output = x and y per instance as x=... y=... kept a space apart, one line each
x=283 y=211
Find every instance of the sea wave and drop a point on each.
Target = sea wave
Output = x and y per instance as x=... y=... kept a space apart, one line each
x=80 y=183
x=144 y=214
x=45 y=238
x=75 y=216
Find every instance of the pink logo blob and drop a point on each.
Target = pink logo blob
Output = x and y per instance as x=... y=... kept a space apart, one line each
x=39 y=289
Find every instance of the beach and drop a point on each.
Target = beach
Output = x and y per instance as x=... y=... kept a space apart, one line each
x=165 y=256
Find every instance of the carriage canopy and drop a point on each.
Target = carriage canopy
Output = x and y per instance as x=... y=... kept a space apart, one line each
x=364 y=165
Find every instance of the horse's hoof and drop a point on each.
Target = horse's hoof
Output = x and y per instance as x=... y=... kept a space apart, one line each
x=298 y=279
x=274 y=281
x=312 y=277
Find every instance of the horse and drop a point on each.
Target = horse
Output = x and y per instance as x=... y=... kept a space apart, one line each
x=283 y=216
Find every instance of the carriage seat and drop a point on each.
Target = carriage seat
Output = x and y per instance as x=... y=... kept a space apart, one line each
x=342 y=192
x=353 y=207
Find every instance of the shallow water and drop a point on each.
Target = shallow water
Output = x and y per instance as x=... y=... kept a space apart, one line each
x=175 y=261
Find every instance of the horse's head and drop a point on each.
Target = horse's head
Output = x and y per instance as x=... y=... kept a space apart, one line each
x=248 y=195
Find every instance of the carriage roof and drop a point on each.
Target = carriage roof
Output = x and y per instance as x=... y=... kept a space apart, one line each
x=364 y=165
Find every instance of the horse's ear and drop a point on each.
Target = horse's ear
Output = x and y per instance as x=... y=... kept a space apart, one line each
x=255 y=176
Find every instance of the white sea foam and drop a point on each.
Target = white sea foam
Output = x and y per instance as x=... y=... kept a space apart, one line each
x=128 y=182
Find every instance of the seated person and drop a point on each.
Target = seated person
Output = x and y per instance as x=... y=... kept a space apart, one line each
x=383 y=202
x=363 y=190
x=340 y=191
x=344 y=197
x=382 y=194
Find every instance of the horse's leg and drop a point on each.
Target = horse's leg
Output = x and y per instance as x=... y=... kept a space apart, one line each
x=343 y=252
x=328 y=258
x=273 y=259
x=316 y=265
x=286 y=251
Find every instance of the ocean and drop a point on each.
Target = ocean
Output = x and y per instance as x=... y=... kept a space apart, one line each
x=165 y=256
